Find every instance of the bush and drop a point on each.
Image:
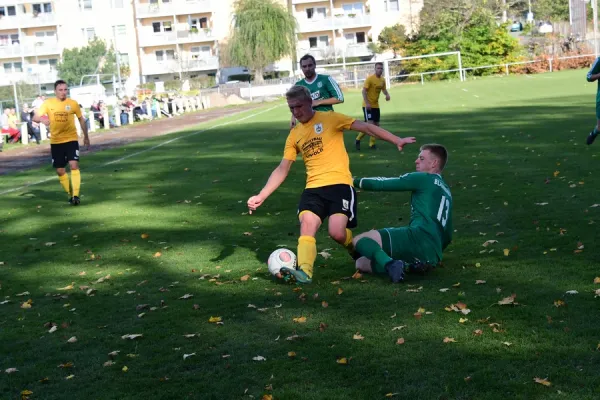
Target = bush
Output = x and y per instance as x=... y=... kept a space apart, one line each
x=202 y=82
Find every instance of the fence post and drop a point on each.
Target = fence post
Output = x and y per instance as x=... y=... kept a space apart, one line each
x=43 y=131
x=106 y=118
x=386 y=72
x=507 y=69
x=422 y=81
x=117 y=116
x=24 y=134
x=92 y=121
x=250 y=87
x=550 y=61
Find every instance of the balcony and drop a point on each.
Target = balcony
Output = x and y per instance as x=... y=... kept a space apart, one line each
x=147 y=37
x=28 y=21
x=45 y=76
x=294 y=2
x=152 y=67
x=30 y=47
x=341 y=21
x=331 y=52
x=174 y=7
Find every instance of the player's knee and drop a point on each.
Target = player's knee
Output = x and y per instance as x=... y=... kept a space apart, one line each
x=339 y=235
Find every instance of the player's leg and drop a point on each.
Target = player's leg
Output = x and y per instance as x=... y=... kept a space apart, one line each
x=363 y=264
x=73 y=158
x=369 y=245
x=362 y=135
x=342 y=210
x=375 y=117
x=592 y=135
x=59 y=162
x=310 y=213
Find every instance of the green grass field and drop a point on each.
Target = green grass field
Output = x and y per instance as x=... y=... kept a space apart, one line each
x=520 y=173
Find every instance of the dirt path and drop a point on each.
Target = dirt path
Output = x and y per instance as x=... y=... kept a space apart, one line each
x=31 y=156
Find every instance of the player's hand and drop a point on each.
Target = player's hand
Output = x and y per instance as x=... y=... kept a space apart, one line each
x=86 y=142
x=387 y=97
x=254 y=202
x=315 y=103
x=292 y=123
x=45 y=120
x=368 y=106
x=405 y=141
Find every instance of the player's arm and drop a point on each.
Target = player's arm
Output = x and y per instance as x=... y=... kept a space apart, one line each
x=406 y=182
x=594 y=72
x=365 y=98
x=447 y=235
x=337 y=97
x=83 y=124
x=37 y=116
x=387 y=94
x=380 y=133
x=275 y=180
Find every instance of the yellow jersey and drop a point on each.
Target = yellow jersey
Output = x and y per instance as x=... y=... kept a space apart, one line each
x=374 y=86
x=62 y=123
x=321 y=143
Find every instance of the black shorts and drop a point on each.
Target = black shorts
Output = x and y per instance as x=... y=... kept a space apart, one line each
x=372 y=115
x=62 y=153
x=329 y=200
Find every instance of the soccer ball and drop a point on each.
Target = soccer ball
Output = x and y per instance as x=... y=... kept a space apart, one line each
x=281 y=258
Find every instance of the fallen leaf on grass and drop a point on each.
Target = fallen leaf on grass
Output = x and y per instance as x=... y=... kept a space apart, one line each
x=324 y=304
x=462 y=320
x=597 y=280
x=357 y=275
x=247 y=233
x=53 y=329
x=125 y=369
x=572 y=292
x=391 y=394
x=507 y=344
x=400 y=341
x=157 y=254
x=66 y=365
x=477 y=332
x=214 y=319
x=26 y=305
x=291 y=354
x=416 y=290
x=73 y=339
x=259 y=358
x=113 y=354
x=245 y=278
x=456 y=284
x=188 y=355
x=340 y=291
x=109 y=363
x=70 y=377
x=131 y=336
x=186 y=296
x=541 y=381
x=510 y=300
x=342 y=361
x=479 y=282
x=449 y=340
x=358 y=336
x=488 y=242
x=22 y=294
x=443 y=290
x=68 y=287
x=559 y=303
x=300 y=320
x=325 y=254
x=10 y=370
x=50 y=244
x=397 y=328
x=104 y=278
x=145 y=236
x=506 y=252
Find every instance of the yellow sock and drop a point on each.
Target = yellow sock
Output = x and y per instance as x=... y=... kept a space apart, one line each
x=372 y=141
x=64 y=182
x=307 y=254
x=360 y=136
x=348 y=242
x=76 y=181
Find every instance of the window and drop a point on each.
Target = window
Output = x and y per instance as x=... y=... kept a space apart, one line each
x=199 y=23
x=40 y=8
x=353 y=8
x=123 y=58
x=361 y=37
x=49 y=64
x=391 y=5
x=13 y=67
x=312 y=42
x=85 y=5
x=162 y=26
x=117 y=4
x=316 y=13
x=164 y=55
x=9 y=11
x=88 y=33
x=199 y=52
x=318 y=42
x=120 y=30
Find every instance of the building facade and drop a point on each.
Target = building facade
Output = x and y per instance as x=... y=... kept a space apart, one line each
x=162 y=40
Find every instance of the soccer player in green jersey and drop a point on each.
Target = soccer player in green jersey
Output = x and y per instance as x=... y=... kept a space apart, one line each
x=324 y=90
x=592 y=76
x=418 y=246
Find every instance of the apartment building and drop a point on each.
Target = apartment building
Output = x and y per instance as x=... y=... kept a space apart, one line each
x=162 y=40
x=338 y=29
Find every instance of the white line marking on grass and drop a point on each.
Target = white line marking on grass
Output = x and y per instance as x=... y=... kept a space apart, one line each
x=151 y=148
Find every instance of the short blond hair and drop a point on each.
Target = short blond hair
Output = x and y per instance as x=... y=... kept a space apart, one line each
x=439 y=152
x=298 y=92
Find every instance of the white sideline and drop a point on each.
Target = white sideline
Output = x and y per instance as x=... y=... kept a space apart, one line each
x=150 y=148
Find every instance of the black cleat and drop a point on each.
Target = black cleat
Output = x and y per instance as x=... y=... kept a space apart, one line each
x=374 y=147
x=420 y=268
x=357 y=143
x=395 y=270
x=75 y=201
x=591 y=137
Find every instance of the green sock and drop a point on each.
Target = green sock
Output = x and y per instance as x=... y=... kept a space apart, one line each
x=369 y=248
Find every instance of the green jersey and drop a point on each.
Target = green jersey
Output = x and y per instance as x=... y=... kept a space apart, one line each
x=322 y=87
x=430 y=204
x=595 y=70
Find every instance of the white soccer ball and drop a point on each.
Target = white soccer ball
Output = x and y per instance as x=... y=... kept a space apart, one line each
x=281 y=258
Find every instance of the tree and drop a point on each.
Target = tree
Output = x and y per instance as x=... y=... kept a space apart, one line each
x=263 y=33
x=392 y=38
x=95 y=58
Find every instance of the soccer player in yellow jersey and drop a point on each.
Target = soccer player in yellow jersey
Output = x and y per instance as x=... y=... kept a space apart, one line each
x=57 y=114
x=329 y=192
x=374 y=85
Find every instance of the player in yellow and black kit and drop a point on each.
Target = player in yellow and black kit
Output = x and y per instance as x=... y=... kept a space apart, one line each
x=329 y=191
x=374 y=85
x=57 y=114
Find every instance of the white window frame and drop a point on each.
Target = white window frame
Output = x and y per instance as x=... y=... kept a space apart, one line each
x=164 y=55
x=120 y=30
x=12 y=64
x=200 y=52
x=163 y=28
x=196 y=22
x=391 y=9
x=86 y=5
x=117 y=4
x=353 y=8
x=6 y=8
x=318 y=13
x=86 y=33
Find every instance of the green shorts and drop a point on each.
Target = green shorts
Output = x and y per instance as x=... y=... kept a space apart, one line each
x=408 y=245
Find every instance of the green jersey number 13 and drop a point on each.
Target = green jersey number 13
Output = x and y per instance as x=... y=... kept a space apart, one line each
x=444 y=204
